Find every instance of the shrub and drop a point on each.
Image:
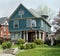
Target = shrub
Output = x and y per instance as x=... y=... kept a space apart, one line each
x=48 y=41
x=21 y=46
x=38 y=41
x=20 y=41
x=32 y=45
x=6 y=45
x=43 y=45
x=28 y=46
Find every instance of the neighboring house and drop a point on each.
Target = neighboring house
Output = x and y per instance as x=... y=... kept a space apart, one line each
x=27 y=25
x=4 y=31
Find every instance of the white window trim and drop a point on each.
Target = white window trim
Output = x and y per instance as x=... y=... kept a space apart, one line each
x=17 y=23
x=21 y=13
x=33 y=22
x=28 y=25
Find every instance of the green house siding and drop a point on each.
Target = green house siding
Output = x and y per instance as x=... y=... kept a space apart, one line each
x=45 y=27
x=26 y=14
x=23 y=25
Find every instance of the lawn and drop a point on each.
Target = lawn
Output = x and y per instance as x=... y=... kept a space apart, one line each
x=41 y=52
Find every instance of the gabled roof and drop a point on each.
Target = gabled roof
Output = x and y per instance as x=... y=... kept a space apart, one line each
x=2 y=20
x=34 y=13
x=31 y=11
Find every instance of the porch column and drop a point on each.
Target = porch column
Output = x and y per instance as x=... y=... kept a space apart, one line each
x=44 y=36
x=36 y=34
x=24 y=35
x=20 y=34
x=27 y=36
x=39 y=34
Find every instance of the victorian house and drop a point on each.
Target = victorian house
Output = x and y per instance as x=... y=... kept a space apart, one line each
x=28 y=25
x=4 y=31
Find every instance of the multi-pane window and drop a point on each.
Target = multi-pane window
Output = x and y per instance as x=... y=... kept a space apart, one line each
x=16 y=24
x=21 y=13
x=31 y=23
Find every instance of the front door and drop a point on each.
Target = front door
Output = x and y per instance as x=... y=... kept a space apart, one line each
x=31 y=36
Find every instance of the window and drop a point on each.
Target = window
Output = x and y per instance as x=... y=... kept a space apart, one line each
x=12 y=36
x=29 y=23
x=16 y=36
x=16 y=24
x=4 y=28
x=33 y=23
x=41 y=23
x=5 y=25
x=21 y=13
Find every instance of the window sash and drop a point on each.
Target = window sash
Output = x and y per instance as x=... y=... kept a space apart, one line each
x=31 y=23
x=16 y=24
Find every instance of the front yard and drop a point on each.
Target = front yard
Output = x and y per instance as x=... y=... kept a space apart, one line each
x=43 y=51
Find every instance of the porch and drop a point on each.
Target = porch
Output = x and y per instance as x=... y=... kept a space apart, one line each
x=29 y=36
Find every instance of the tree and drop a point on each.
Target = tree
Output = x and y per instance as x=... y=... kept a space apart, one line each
x=45 y=10
x=55 y=26
x=56 y=23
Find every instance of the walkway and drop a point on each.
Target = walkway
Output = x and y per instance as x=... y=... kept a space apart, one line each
x=6 y=55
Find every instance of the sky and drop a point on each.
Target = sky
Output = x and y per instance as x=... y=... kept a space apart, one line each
x=8 y=6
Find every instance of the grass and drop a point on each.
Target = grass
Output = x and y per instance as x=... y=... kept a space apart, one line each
x=41 y=51
x=0 y=47
x=14 y=46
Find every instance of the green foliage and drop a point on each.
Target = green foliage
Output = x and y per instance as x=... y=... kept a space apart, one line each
x=21 y=46
x=20 y=41
x=38 y=41
x=9 y=44
x=58 y=38
x=30 y=45
x=6 y=45
x=43 y=45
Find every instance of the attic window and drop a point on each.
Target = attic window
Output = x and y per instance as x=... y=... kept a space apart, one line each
x=21 y=13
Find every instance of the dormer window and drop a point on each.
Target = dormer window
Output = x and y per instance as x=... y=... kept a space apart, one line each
x=16 y=24
x=21 y=13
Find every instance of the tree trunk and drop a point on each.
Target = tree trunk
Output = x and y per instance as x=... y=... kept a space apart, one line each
x=52 y=41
